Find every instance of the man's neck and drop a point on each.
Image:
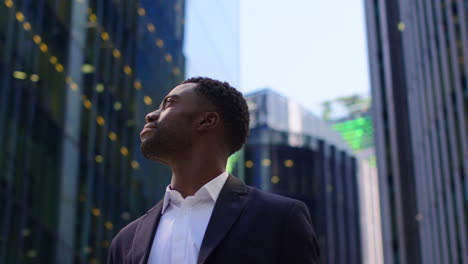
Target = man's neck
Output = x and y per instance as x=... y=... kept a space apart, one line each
x=189 y=176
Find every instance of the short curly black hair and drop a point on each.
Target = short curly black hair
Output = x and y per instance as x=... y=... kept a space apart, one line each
x=232 y=106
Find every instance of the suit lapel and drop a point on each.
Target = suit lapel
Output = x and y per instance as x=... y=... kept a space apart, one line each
x=144 y=235
x=227 y=209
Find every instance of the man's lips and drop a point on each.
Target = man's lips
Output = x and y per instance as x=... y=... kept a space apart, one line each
x=147 y=128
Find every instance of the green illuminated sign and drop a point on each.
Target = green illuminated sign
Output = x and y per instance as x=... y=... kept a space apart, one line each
x=357 y=132
x=232 y=162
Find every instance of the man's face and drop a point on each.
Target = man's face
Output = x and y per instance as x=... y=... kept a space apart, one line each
x=169 y=129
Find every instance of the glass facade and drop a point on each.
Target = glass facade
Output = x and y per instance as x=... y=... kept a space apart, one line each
x=77 y=78
x=293 y=153
x=418 y=54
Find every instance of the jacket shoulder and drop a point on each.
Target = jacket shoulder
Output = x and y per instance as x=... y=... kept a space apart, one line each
x=272 y=200
x=122 y=242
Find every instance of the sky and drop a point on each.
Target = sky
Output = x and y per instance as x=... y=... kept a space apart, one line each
x=308 y=50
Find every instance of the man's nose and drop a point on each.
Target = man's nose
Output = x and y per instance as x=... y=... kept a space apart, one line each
x=151 y=117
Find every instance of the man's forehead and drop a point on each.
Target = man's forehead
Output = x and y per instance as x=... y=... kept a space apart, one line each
x=186 y=88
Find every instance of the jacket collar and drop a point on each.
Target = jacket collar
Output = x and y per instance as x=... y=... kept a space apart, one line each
x=144 y=235
x=228 y=207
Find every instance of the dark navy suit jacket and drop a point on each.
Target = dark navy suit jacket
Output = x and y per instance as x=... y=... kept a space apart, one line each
x=247 y=226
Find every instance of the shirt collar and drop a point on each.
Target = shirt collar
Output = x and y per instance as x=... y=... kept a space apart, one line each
x=210 y=190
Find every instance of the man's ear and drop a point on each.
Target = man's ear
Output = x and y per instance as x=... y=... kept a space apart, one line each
x=208 y=120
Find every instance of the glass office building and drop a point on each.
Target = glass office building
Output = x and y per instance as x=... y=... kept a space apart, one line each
x=356 y=129
x=77 y=78
x=418 y=54
x=293 y=153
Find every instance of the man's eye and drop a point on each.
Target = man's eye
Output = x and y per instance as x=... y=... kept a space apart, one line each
x=168 y=102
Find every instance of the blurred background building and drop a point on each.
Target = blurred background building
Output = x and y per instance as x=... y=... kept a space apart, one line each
x=351 y=117
x=418 y=59
x=292 y=152
x=77 y=78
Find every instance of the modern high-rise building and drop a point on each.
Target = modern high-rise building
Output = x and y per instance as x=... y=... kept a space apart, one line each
x=76 y=80
x=292 y=152
x=351 y=117
x=418 y=54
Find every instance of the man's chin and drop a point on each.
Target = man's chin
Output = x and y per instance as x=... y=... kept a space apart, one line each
x=150 y=154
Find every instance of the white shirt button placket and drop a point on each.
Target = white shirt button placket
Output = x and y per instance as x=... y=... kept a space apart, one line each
x=179 y=239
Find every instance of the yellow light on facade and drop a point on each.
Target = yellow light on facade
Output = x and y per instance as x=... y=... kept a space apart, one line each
x=125 y=216
x=249 y=164
x=74 y=86
x=96 y=212
x=112 y=136
x=20 y=75
x=141 y=11
x=82 y=198
x=93 y=261
x=176 y=71
x=19 y=16
x=401 y=26
x=275 y=179
x=100 y=120
x=31 y=253
x=87 y=104
x=9 y=3
x=109 y=225
x=289 y=163
x=87 y=250
x=147 y=100
x=135 y=164
x=105 y=244
x=43 y=47
x=124 y=151
x=160 y=43
x=137 y=85
x=105 y=36
x=177 y=7
x=99 y=158
x=27 y=26
x=92 y=18
x=25 y=232
x=116 y=53
x=418 y=217
x=168 y=57
x=37 y=39
x=266 y=162
x=34 y=77
x=127 y=70
x=99 y=87
x=59 y=67
x=53 y=60
x=87 y=68
x=151 y=27
x=117 y=106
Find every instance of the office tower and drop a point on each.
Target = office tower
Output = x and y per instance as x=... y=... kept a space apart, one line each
x=77 y=78
x=293 y=153
x=351 y=117
x=418 y=53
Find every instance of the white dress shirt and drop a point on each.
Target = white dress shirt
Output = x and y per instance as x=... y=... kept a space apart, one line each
x=183 y=223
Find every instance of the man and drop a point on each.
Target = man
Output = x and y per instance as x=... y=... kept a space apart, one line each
x=208 y=216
